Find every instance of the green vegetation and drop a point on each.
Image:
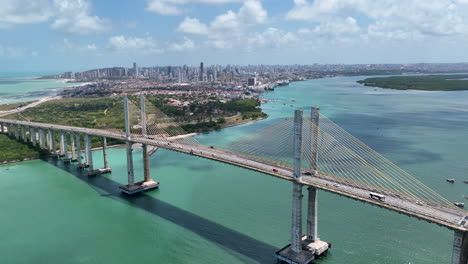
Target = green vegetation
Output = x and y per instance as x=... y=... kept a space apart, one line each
x=82 y=112
x=13 y=150
x=456 y=82
x=202 y=114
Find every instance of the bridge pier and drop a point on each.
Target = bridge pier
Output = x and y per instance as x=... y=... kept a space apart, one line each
x=303 y=249
x=61 y=144
x=460 y=247
x=17 y=132
x=32 y=134
x=52 y=143
x=106 y=168
x=23 y=134
x=41 y=138
x=88 y=152
x=147 y=183
x=2 y=130
x=65 y=149
x=9 y=130
x=72 y=142
x=79 y=153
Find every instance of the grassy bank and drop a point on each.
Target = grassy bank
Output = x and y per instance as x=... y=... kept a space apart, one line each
x=12 y=150
x=425 y=83
x=107 y=113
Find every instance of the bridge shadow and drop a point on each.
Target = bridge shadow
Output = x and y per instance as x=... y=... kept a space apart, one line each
x=245 y=245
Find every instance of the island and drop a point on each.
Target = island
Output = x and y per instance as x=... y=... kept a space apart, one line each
x=453 y=82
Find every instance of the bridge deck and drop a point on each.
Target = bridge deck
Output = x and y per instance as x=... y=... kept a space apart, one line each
x=440 y=215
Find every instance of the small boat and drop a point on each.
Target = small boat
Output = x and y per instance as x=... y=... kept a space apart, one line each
x=465 y=181
x=450 y=180
x=466 y=197
x=460 y=204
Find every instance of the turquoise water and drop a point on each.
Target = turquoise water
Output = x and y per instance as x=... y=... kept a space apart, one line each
x=207 y=212
x=20 y=87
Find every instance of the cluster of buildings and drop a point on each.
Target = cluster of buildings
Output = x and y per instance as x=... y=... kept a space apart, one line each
x=253 y=75
x=214 y=74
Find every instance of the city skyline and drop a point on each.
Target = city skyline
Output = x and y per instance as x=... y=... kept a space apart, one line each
x=75 y=35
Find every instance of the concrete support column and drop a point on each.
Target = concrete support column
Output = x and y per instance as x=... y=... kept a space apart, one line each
x=41 y=138
x=312 y=201
x=89 y=152
x=9 y=129
x=104 y=152
x=2 y=129
x=312 y=234
x=314 y=118
x=296 y=218
x=65 y=145
x=72 y=142
x=52 y=142
x=131 y=177
x=78 y=150
x=61 y=142
x=460 y=247
x=47 y=139
x=17 y=132
x=146 y=168
x=127 y=118
x=23 y=134
x=143 y=115
x=32 y=132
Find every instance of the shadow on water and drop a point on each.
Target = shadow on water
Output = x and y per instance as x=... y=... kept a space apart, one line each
x=224 y=236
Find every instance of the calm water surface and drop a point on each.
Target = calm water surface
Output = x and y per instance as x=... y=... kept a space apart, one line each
x=20 y=87
x=207 y=212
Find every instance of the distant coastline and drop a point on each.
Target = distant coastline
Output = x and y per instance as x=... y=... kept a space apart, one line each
x=453 y=82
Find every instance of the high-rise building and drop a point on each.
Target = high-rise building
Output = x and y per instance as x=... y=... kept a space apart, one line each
x=135 y=69
x=251 y=81
x=200 y=74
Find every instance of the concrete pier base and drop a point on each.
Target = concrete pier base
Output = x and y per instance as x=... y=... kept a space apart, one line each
x=139 y=187
x=460 y=247
x=309 y=252
x=99 y=171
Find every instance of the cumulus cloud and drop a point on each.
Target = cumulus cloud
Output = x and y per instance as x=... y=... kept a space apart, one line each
x=65 y=45
x=74 y=16
x=192 y=26
x=186 y=45
x=13 y=12
x=389 y=18
x=227 y=29
x=144 y=44
x=71 y=16
x=176 y=7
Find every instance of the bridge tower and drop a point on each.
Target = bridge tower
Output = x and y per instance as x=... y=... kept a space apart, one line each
x=304 y=249
x=147 y=184
x=460 y=247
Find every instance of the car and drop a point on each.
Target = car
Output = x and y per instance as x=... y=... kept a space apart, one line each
x=307 y=173
x=275 y=170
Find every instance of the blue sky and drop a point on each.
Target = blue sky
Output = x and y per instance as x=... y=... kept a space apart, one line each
x=73 y=35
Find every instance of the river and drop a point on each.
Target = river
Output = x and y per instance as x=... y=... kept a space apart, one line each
x=207 y=212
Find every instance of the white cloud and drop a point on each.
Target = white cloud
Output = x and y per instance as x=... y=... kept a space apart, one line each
x=66 y=46
x=389 y=19
x=13 y=12
x=176 y=7
x=192 y=26
x=185 y=45
x=74 y=16
x=228 y=29
x=134 y=44
x=272 y=38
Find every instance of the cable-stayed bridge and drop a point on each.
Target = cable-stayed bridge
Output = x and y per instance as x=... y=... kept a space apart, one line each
x=308 y=150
